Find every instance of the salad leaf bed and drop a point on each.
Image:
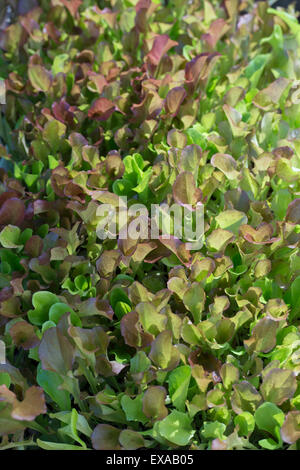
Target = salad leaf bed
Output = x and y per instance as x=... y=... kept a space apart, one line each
x=145 y=343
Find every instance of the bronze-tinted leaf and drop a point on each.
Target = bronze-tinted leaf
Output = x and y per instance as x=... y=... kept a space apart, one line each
x=101 y=109
x=225 y=163
x=154 y=403
x=72 y=5
x=56 y=352
x=190 y=158
x=202 y=269
x=185 y=190
x=175 y=246
x=217 y=29
x=163 y=354
x=194 y=300
x=177 y=139
x=260 y=236
x=114 y=165
x=263 y=337
x=39 y=77
x=12 y=212
x=278 y=385
x=229 y=374
x=262 y=268
x=203 y=378
x=293 y=212
x=269 y=97
x=32 y=405
x=132 y=331
x=131 y=440
x=108 y=262
x=277 y=309
x=207 y=360
x=174 y=99
x=106 y=437
x=290 y=430
x=23 y=335
x=245 y=397
x=199 y=68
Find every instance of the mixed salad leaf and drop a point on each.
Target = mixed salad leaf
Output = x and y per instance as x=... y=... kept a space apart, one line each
x=145 y=343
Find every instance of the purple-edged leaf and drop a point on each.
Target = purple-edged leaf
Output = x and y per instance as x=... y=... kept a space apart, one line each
x=90 y=340
x=269 y=97
x=260 y=236
x=40 y=78
x=293 y=212
x=199 y=68
x=194 y=300
x=131 y=440
x=154 y=403
x=12 y=212
x=225 y=163
x=29 y=408
x=237 y=199
x=23 y=335
x=217 y=29
x=190 y=159
x=108 y=262
x=163 y=354
x=161 y=45
x=290 y=430
x=174 y=99
x=101 y=109
x=72 y=5
x=132 y=331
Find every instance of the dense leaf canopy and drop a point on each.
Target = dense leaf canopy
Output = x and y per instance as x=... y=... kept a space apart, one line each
x=146 y=343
